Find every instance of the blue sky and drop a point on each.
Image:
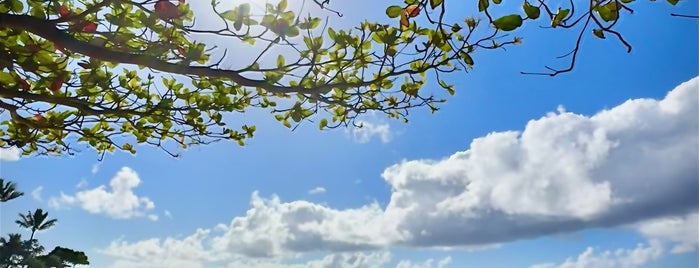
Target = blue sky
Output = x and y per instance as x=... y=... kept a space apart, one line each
x=593 y=168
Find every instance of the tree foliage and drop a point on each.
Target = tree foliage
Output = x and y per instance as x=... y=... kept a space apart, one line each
x=115 y=73
x=16 y=252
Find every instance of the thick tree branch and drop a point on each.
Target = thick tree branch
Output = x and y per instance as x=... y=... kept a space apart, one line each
x=39 y=27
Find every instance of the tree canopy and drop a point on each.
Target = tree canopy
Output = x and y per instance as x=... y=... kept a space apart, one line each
x=16 y=252
x=115 y=73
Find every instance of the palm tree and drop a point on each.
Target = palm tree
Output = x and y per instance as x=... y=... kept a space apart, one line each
x=11 y=248
x=36 y=221
x=8 y=191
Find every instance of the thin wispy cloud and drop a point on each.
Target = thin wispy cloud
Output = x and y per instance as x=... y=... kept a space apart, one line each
x=36 y=193
x=619 y=258
x=317 y=190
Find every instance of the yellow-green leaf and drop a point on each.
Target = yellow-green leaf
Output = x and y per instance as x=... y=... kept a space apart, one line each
x=393 y=11
x=508 y=23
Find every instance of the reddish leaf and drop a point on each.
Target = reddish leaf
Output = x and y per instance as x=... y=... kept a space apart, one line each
x=90 y=27
x=59 y=48
x=181 y=51
x=56 y=84
x=24 y=84
x=166 y=10
x=63 y=11
x=412 y=11
x=181 y=1
x=84 y=64
x=39 y=117
x=404 y=20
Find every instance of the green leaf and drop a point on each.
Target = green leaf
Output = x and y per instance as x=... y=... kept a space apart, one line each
x=467 y=58
x=323 y=123
x=531 y=11
x=16 y=6
x=560 y=16
x=394 y=11
x=608 y=12
x=282 y=5
x=673 y=2
x=497 y=2
x=231 y=15
x=483 y=5
x=599 y=33
x=280 y=61
x=435 y=3
x=508 y=23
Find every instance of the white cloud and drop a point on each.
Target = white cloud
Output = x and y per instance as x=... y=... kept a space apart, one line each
x=564 y=172
x=620 y=258
x=683 y=231
x=81 y=184
x=95 y=168
x=272 y=228
x=167 y=214
x=169 y=252
x=338 y=260
x=317 y=190
x=192 y=251
x=153 y=217
x=36 y=193
x=369 y=130
x=119 y=201
x=429 y=263
x=10 y=154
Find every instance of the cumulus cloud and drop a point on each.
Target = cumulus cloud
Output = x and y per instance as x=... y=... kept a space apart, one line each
x=563 y=172
x=192 y=251
x=369 y=130
x=620 y=258
x=682 y=231
x=169 y=252
x=272 y=228
x=119 y=201
x=317 y=190
x=10 y=154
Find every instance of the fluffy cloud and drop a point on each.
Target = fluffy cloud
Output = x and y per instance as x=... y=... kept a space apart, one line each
x=10 y=154
x=368 y=130
x=169 y=252
x=564 y=172
x=272 y=228
x=317 y=190
x=119 y=202
x=620 y=258
x=682 y=231
x=192 y=252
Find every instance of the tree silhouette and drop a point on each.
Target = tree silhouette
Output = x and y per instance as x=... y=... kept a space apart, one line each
x=16 y=252
x=36 y=221
x=8 y=191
